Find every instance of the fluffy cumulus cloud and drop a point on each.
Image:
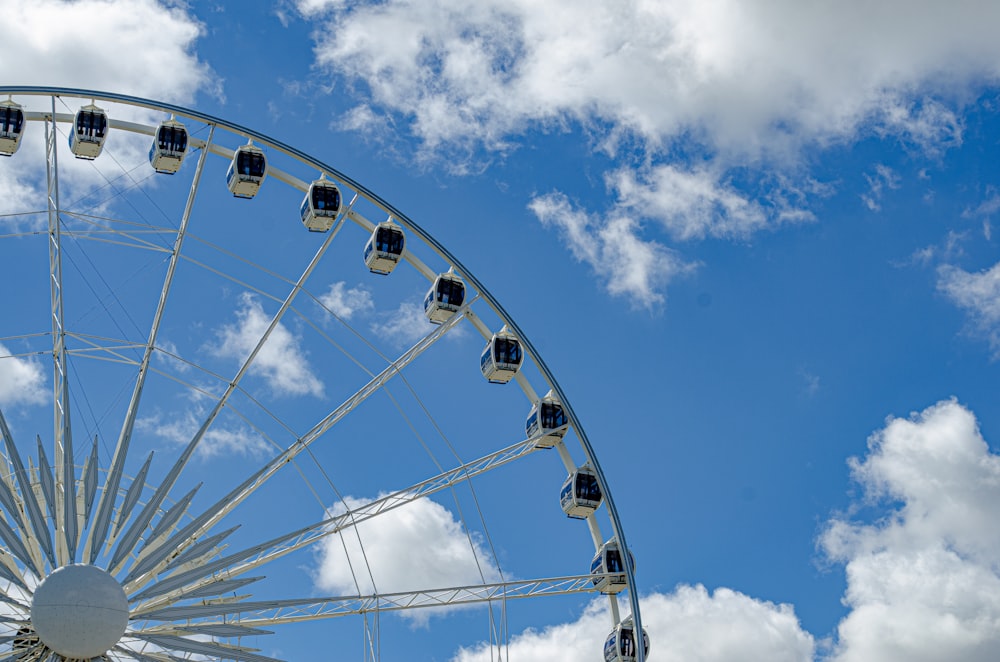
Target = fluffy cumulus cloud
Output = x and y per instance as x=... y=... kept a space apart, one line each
x=728 y=81
x=923 y=581
x=439 y=553
x=923 y=569
x=688 y=625
x=281 y=362
x=80 y=44
x=22 y=381
x=979 y=294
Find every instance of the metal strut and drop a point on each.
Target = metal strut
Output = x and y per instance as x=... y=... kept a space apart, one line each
x=66 y=524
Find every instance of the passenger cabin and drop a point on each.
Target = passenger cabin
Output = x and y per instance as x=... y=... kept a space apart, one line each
x=608 y=563
x=385 y=248
x=620 y=644
x=170 y=143
x=90 y=130
x=247 y=171
x=445 y=297
x=321 y=205
x=581 y=494
x=546 y=422
x=502 y=357
x=11 y=127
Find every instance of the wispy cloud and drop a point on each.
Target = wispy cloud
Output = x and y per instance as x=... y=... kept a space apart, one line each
x=404 y=326
x=626 y=265
x=347 y=302
x=220 y=440
x=979 y=295
x=884 y=178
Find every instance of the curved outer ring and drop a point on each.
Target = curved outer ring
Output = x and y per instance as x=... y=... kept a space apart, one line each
x=371 y=196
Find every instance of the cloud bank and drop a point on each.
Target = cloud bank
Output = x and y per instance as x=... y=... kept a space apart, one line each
x=712 y=109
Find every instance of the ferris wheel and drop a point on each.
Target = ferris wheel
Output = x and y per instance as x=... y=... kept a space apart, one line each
x=241 y=410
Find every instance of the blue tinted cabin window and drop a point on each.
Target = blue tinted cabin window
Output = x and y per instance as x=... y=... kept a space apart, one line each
x=389 y=240
x=587 y=488
x=507 y=350
x=326 y=199
x=531 y=426
x=450 y=291
x=250 y=164
x=172 y=139
x=484 y=359
x=553 y=416
x=90 y=124
x=614 y=561
x=12 y=119
x=566 y=493
x=595 y=566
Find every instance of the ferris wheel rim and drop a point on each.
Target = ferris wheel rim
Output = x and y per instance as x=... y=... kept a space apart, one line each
x=428 y=239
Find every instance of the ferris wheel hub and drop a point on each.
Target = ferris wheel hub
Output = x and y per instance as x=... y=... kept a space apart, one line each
x=79 y=611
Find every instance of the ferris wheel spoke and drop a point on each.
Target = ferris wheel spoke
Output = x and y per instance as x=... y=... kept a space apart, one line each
x=131 y=536
x=39 y=533
x=66 y=525
x=141 y=657
x=87 y=490
x=181 y=585
x=214 y=649
x=45 y=478
x=98 y=532
x=267 y=613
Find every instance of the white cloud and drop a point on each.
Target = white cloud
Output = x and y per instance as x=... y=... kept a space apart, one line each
x=439 y=553
x=979 y=295
x=746 y=88
x=405 y=325
x=281 y=362
x=923 y=580
x=747 y=78
x=626 y=265
x=345 y=303
x=22 y=381
x=218 y=441
x=80 y=44
x=688 y=625
x=883 y=178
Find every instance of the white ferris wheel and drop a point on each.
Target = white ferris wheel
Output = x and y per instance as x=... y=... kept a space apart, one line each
x=231 y=438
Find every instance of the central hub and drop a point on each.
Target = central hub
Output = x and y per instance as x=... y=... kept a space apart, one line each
x=79 y=611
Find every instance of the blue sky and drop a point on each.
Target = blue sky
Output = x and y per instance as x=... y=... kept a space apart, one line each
x=754 y=241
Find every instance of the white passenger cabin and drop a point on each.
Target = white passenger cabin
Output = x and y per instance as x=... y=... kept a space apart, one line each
x=11 y=127
x=608 y=562
x=385 y=248
x=502 y=357
x=581 y=493
x=170 y=143
x=321 y=205
x=247 y=171
x=546 y=422
x=90 y=130
x=445 y=297
x=620 y=644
